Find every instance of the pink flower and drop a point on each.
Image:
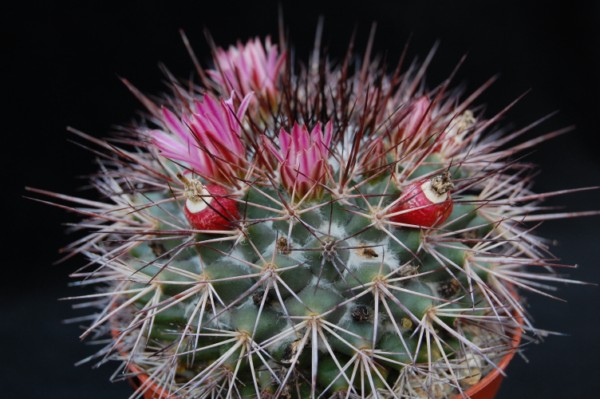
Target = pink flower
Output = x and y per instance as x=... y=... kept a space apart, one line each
x=249 y=67
x=208 y=140
x=414 y=121
x=303 y=158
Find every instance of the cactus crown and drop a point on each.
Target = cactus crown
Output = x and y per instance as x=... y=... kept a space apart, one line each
x=327 y=230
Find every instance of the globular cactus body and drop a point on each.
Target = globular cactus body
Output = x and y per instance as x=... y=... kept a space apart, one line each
x=323 y=234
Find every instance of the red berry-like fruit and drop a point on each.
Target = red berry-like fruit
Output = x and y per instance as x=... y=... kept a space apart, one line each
x=209 y=207
x=424 y=203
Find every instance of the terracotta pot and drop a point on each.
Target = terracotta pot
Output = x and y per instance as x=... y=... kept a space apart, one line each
x=153 y=391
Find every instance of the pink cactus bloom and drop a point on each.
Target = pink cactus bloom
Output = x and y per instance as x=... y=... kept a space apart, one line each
x=303 y=158
x=208 y=140
x=414 y=121
x=249 y=67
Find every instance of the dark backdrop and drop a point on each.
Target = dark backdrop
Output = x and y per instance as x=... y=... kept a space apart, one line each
x=60 y=66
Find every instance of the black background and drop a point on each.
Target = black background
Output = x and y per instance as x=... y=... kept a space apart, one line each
x=60 y=66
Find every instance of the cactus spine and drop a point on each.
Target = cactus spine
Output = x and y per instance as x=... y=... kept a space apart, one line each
x=324 y=231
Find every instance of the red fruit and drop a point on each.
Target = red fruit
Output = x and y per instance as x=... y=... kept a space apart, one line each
x=425 y=203
x=209 y=207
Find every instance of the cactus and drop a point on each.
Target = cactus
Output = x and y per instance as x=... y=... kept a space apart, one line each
x=320 y=230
